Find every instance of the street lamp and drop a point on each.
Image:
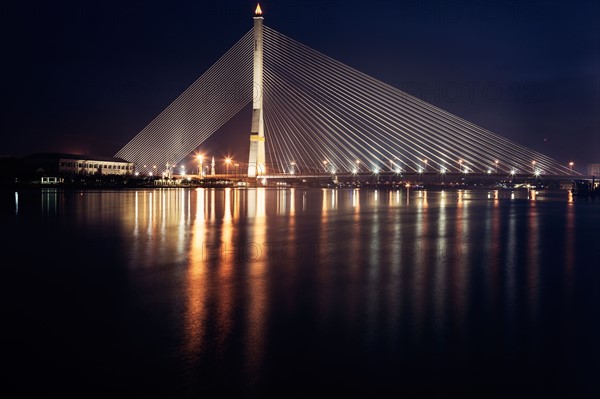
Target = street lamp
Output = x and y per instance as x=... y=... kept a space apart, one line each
x=497 y=166
x=533 y=166
x=200 y=159
x=227 y=162
x=571 y=165
x=425 y=165
x=460 y=161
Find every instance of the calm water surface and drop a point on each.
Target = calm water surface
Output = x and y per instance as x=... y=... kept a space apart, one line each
x=301 y=292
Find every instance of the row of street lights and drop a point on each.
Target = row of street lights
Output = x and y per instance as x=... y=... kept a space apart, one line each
x=463 y=168
x=228 y=161
x=329 y=167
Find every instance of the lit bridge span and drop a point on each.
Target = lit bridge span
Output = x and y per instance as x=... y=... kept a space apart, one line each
x=315 y=115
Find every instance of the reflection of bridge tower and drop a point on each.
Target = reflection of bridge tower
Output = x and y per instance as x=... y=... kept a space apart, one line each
x=256 y=159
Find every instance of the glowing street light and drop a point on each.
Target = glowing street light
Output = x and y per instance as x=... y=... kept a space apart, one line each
x=571 y=165
x=200 y=159
x=497 y=166
x=460 y=161
x=443 y=170
x=227 y=162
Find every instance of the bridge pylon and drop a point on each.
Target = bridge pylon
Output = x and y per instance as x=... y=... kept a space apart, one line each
x=256 y=159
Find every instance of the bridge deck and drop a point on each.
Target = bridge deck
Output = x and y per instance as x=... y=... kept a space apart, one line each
x=414 y=176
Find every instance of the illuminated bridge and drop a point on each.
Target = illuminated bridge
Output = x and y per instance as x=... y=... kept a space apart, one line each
x=313 y=114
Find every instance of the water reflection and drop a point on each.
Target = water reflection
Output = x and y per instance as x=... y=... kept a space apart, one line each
x=49 y=201
x=238 y=271
x=493 y=254
x=533 y=266
x=440 y=272
x=197 y=286
x=460 y=257
x=511 y=265
x=570 y=253
x=257 y=286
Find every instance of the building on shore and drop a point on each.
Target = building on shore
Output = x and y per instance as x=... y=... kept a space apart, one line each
x=593 y=169
x=59 y=164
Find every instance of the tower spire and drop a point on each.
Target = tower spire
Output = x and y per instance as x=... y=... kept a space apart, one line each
x=256 y=157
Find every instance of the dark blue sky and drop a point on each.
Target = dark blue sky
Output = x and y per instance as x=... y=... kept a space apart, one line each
x=86 y=77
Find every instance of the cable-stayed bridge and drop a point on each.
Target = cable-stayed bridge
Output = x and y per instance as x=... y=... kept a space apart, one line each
x=313 y=114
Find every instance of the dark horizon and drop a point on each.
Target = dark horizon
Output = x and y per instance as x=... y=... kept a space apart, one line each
x=86 y=78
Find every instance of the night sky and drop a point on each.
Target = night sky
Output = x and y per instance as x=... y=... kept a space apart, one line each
x=85 y=77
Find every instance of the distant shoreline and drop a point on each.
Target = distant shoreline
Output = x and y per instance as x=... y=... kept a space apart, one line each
x=390 y=187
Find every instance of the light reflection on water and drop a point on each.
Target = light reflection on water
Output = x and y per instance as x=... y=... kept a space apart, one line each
x=364 y=271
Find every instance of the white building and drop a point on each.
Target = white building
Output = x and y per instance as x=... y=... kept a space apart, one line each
x=94 y=165
x=68 y=164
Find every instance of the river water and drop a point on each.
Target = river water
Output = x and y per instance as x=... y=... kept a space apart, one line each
x=301 y=292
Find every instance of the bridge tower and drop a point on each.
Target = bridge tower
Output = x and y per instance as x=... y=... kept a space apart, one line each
x=256 y=159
